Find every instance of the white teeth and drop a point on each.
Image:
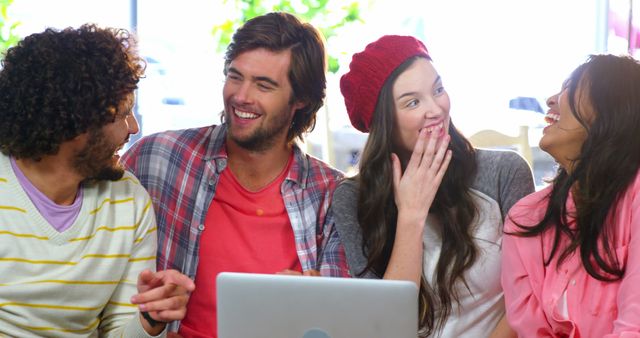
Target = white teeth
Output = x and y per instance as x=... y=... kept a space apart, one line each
x=246 y=115
x=552 y=117
x=437 y=127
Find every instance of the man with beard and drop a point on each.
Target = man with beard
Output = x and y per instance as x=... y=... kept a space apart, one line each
x=242 y=196
x=77 y=232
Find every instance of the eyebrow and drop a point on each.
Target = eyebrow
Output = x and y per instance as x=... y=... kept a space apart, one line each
x=438 y=79
x=256 y=78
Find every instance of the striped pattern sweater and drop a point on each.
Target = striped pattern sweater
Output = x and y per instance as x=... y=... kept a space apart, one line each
x=77 y=283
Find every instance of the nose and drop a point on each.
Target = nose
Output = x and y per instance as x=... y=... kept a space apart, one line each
x=243 y=93
x=132 y=125
x=432 y=110
x=552 y=101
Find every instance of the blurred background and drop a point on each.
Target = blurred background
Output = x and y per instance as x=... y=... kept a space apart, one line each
x=499 y=59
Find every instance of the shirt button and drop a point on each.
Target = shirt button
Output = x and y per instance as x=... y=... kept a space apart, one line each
x=201 y=227
x=573 y=282
x=212 y=182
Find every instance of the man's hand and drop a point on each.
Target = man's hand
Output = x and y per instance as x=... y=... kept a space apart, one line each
x=164 y=296
x=297 y=273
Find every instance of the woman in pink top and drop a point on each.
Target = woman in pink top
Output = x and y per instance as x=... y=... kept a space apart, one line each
x=571 y=259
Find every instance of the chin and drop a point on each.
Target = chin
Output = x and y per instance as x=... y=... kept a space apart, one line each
x=111 y=173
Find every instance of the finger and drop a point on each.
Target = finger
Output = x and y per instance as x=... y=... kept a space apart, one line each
x=147 y=280
x=289 y=272
x=175 y=277
x=170 y=303
x=440 y=153
x=443 y=168
x=170 y=315
x=157 y=293
x=418 y=149
x=429 y=151
x=145 y=277
x=397 y=170
x=312 y=272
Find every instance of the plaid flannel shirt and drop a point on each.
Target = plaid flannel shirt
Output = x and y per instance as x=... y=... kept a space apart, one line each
x=181 y=169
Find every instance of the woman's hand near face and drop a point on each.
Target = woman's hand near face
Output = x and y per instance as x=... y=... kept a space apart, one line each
x=414 y=191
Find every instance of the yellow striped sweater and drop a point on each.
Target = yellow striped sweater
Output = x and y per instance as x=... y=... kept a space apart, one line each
x=77 y=283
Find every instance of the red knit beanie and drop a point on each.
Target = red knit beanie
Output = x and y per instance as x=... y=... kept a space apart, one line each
x=368 y=72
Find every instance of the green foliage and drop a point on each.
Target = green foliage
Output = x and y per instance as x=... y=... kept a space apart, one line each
x=8 y=37
x=317 y=12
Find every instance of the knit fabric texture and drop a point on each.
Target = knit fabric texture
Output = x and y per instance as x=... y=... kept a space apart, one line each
x=369 y=70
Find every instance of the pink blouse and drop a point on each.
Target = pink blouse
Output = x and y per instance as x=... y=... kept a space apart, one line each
x=595 y=309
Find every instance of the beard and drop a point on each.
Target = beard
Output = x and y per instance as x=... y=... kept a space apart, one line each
x=264 y=137
x=95 y=160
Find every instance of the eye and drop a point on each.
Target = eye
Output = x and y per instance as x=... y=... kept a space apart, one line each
x=233 y=76
x=412 y=103
x=264 y=86
x=439 y=91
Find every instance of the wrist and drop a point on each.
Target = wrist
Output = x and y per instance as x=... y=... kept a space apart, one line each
x=152 y=327
x=411 y=220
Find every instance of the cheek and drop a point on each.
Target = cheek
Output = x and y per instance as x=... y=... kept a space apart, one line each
x=445 y=103
x=405 y=137
x=228 y=89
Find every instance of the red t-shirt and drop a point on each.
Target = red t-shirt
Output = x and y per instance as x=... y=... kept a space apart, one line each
x=244 y=232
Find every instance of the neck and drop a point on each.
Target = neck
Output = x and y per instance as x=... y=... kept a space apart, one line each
x=255 y=170
x=53 y=178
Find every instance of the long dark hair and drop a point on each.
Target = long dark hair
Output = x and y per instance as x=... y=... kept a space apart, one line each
x=607 y=164
x=453 y=205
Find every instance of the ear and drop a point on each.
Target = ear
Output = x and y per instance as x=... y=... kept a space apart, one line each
x=81 y=137
x=299 y=104
x=295 y=106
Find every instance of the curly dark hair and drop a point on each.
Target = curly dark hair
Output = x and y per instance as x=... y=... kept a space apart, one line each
x=278 y=31
x=58 y=84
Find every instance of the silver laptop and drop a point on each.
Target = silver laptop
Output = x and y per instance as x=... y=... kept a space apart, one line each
x=278 y=306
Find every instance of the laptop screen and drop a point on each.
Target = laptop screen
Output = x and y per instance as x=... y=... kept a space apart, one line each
x=281 y=306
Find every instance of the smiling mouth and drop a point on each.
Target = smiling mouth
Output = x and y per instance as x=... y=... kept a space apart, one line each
x=115 y=153
x=245 y=115
x=552 y=117
x=435 y=128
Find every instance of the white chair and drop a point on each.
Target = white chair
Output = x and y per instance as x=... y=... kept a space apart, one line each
x=489 y=138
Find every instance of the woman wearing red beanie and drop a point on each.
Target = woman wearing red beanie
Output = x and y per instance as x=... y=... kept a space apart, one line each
x=425 y=206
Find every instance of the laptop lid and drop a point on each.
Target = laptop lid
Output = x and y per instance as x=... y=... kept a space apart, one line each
x=280 y=306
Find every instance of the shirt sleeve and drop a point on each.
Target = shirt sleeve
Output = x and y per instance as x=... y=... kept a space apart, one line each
x=333 y=261
x=627 y=323
x=120 y=318
x=516 y=182
x=522 y=282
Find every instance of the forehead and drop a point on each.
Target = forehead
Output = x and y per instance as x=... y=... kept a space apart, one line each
x=125 y=105
x=420 y=75
x=263 y=63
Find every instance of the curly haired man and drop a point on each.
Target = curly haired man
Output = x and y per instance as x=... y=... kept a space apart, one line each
x=77 y=232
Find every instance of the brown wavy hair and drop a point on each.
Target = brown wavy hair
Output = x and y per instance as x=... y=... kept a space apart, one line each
x=58 y=84
x=606 y=166
x=453 y=205
x=280 y=31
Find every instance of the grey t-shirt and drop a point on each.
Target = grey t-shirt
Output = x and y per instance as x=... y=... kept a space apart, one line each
x=502 y=178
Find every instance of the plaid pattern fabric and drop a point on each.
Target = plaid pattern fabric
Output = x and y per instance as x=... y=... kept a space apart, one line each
x=180 y=169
